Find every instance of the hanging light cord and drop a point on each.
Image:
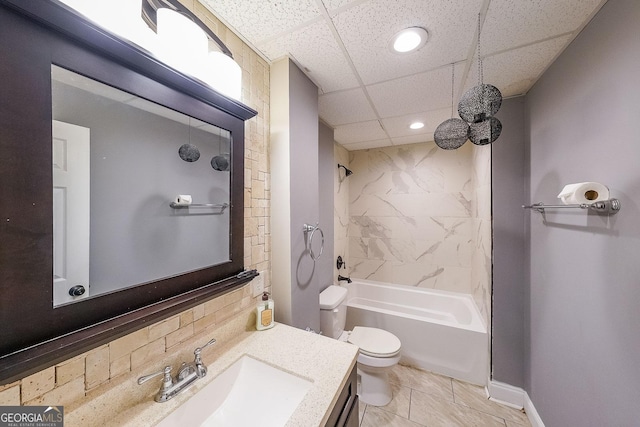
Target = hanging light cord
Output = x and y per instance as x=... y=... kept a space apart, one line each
x=480 y=76
x=453 y=80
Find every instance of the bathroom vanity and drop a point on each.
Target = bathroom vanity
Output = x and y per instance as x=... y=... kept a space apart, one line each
x=327 y=365
x=345 y=411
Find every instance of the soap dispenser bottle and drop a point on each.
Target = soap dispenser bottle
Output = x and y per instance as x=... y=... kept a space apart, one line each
x=264 y=313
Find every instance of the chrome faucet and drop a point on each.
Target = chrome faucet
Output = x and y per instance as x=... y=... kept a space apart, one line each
x=187 y=375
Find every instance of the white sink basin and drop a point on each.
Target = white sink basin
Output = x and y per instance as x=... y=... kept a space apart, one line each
x=248 y=393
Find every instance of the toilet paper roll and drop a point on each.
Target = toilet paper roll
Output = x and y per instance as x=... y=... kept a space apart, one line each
x=183 y=200
x=583 y=192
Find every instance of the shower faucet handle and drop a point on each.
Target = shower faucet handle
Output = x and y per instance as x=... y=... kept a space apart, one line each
x=340 y=263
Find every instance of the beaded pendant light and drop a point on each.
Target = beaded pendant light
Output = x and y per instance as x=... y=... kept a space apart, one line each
x=454 y=132
x=479 y=105
x=485 y=132
x=189 y=152
x=221 y=161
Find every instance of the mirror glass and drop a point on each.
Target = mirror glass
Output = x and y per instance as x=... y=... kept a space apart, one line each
x=140 y=191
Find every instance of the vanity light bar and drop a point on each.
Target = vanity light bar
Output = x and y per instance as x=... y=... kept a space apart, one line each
x=150 y=17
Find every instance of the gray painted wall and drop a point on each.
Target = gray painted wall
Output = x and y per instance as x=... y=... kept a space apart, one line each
x=294 y=192
x=303 y=129
x=327 y=169
x=507 y=170
x=584 y=296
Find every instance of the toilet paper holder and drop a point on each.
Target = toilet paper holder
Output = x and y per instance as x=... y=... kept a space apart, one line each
x=607 y=207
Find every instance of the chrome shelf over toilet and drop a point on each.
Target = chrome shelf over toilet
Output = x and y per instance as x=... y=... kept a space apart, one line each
x=222 y=206
x=605 y=207
x=608 y=207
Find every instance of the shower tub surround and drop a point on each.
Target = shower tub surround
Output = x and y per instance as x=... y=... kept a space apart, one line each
x=411 y=216
x=417 y=218
x=440 y=331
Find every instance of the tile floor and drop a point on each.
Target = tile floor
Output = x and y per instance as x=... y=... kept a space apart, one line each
x=426 y=399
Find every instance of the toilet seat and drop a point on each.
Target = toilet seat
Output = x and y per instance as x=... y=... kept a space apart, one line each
x=375 y=342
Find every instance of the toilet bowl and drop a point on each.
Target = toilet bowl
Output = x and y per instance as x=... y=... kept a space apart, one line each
x=379 y=350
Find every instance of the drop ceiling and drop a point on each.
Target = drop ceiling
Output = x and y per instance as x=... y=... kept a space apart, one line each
x=369 y=94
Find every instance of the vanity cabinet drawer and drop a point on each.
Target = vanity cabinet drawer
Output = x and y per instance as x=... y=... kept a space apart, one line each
x=352 y=419
x=345 y=411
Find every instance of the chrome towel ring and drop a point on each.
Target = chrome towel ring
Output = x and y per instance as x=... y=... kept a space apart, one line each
x=307 y=228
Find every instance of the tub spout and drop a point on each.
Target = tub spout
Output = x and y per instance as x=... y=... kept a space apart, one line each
x=341 y=278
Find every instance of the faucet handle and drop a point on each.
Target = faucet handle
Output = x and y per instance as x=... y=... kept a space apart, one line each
x=166 y=381
x=201 y=370
x=199 y=349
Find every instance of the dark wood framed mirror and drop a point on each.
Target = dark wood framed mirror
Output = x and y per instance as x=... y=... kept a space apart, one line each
x=34 y=36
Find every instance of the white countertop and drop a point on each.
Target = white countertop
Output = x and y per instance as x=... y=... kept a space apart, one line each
x=324 y=361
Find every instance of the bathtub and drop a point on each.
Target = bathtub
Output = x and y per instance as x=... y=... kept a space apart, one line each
x=440 y=331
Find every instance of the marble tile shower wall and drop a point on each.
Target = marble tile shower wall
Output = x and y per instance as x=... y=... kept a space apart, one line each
x=482 y=232
x=412 y=216
x=341 y=209
x=74 y=381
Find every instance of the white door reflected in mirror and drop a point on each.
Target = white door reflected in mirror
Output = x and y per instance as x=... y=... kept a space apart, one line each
x=71 y=209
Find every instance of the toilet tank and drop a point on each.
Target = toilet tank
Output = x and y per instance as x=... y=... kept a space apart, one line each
x=333 y=311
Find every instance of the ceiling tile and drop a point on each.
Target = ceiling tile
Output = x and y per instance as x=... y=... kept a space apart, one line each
x=420 y=92
x=366 y=29
x=359 y=132
x=350 y=106
x=335 y=4
x=367 y=144
x=61 y=75
x=259 y=20
x=330 y=70
x=515 y=23
x=404 y=87
x=158 y=110
x=399 y=126
x=515 y=71
x=415 y=139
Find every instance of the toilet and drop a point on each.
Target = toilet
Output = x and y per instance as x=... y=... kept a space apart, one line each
x=379 y=349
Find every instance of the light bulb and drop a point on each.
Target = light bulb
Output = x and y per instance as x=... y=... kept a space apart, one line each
x=409 y=39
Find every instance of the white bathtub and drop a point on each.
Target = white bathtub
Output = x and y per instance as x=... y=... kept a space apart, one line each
x=440 y=331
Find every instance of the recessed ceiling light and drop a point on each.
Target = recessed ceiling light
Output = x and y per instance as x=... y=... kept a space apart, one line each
x=416 y=125
x=408 y=40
